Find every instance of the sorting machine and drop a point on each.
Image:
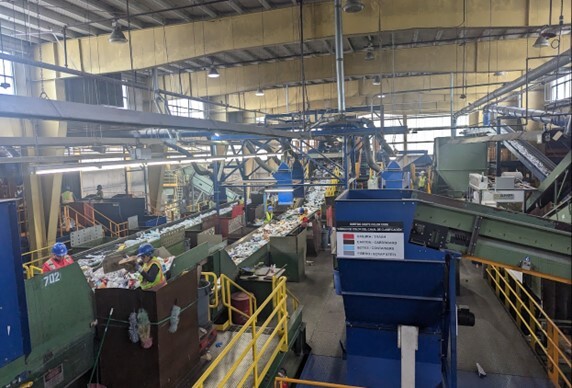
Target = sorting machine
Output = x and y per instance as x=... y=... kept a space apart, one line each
x=397 y=255
x=56 y=323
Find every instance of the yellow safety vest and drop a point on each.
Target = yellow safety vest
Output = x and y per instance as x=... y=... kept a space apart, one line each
x=422 y=181
x=269 y=217
x=67 y=197
x=159 y=279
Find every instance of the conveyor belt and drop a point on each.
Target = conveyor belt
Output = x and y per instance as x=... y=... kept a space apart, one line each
x=538 y=163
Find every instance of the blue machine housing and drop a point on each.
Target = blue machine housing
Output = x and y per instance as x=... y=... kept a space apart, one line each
x=14 y=332
x=393 y=177
x=382 y=293
x=284 y=181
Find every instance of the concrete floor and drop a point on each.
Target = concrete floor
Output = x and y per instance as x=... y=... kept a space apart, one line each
x=493 y=342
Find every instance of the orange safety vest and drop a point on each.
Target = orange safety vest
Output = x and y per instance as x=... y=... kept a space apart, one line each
x=159 y=281
x=52 y=264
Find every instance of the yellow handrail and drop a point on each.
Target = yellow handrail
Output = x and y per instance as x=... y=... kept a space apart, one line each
x=215 y=287
x=116 y=228
x=279 y=294
x=553 y=334
x=279 y=380
x=226 y=284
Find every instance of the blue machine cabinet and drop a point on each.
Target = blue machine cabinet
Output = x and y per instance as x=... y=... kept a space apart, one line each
x=388 y=283
x=14 y=332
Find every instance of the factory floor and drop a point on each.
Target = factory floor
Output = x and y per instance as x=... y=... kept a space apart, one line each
x=493 y=342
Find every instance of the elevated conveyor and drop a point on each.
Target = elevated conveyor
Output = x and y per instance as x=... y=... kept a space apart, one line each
x=532 y=158
x=501 y=237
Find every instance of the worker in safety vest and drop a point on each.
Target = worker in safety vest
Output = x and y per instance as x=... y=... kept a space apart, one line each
x=68 y=196
x=59 y=258
x=269 y=214
x=151 y=272
x=422 y=182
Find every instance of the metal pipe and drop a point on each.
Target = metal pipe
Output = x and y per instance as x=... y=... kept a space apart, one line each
x=557 y=62
x=339 y=57
x=560 y=120
x=259 y=161
x=368 y=155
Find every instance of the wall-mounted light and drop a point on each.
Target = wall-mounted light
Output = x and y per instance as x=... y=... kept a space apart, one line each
x=376 y=81
x=259 y=92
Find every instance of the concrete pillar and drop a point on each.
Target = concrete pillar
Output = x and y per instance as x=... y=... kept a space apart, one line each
x=474 y=118
x=535 y=99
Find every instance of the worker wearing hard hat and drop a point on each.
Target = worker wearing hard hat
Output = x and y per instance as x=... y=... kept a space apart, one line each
x=269 y=214
x=151 y=272
x=99 y=192
x=59 y=258
x=422 y=182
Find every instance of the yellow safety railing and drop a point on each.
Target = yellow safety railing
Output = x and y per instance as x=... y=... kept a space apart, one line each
x=116 y=229
x=279 y=380
x=278 y=297
x=31 y=270
x=227 y=285
x=545 y=335
x=215 y=288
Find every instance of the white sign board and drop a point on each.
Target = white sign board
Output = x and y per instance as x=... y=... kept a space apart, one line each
x=375 y=240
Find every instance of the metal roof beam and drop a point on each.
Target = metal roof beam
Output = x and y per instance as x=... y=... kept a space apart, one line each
x=79 y=14
x=106 y=12
x=208 y=11
x=26 y=12
x=135 y=7
x=237 y=8
x=161 y=4
x=265 y=4
x=41 y=109
x=31 y=22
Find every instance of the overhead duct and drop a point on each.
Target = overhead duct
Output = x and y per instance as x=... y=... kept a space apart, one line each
x=259 y=161
x=198 y=169
x=553 y=118
x=369 y=156
x=548 y=67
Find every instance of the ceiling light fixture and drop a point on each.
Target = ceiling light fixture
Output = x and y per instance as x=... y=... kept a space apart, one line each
x=369 y=56
x=463 y=96
x=117 y=35
x=213 y=72
x=259 y=92
x=353 y=6
x=541 y=41
x=376 y=80
x=380 y=95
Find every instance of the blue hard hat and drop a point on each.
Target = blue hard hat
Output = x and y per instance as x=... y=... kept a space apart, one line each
x=60 y=249
x=270 y=208
x=145 y=249
x=301 y=210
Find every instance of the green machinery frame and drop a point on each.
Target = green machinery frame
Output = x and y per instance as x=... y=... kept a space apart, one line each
x=494 y=236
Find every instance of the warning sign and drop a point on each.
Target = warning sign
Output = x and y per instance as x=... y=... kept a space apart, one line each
x=375 y=240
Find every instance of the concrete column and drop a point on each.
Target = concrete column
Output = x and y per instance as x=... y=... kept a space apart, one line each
x=535 y=100
x=474 y=118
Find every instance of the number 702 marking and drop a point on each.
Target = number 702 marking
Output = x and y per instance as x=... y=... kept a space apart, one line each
x=52 y=278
